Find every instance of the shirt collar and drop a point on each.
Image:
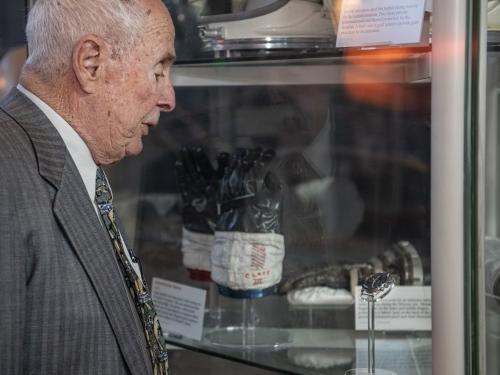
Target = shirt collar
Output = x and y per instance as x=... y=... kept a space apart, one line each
x=77 y=148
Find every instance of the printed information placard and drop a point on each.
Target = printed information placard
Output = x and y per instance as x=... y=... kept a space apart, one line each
x=405 y=308
x=409 y=356
x=380 y=22
x=180 y=308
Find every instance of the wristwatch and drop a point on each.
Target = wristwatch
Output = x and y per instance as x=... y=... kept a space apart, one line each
x=377 y=286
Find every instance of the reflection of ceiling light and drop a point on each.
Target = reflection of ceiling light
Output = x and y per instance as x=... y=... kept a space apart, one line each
x=268 y=39
x=3 y=84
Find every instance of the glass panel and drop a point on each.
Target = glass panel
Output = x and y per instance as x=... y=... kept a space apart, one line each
x=492 y=206
x=326 y=181
x=355 y=175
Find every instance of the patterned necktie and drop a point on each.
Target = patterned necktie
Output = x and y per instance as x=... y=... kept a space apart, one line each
x=137 y=288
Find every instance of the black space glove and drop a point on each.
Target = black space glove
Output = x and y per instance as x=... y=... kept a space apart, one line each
x=249 y=249
x=198 y=183
x=250 y=195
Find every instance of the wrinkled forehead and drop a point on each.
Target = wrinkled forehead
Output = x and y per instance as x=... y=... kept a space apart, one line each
x=158 y=19
x=158 y=38
x=157 y=15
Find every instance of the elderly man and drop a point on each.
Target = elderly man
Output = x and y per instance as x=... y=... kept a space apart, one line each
x=96 y=80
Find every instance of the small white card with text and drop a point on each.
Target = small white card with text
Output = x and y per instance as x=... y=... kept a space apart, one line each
x=402 y=356
x=380 y=22
x=180 y=308
x=405 y=308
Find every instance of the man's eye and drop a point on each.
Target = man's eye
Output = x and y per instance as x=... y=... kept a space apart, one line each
x=158 y=76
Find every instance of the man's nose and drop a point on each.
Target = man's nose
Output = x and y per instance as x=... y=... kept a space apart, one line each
x=166 y=101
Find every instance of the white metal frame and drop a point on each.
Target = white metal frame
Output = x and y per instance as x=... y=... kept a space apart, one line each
x=447 y=186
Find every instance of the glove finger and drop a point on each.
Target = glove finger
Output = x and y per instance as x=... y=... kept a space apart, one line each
x=251 y=166
x=224 y=187
x=202 y=164
x=267 y=156
x=247 y=160
x=235 y=181
x=272 y=183
x=255 y=154
x=181 y=181
x=223 y=160
x=188 y=165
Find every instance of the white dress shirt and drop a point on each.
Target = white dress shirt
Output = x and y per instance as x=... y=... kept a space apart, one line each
x=77 y=148
x=78 y=151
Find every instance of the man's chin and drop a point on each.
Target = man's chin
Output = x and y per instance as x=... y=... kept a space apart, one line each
x=134 y=148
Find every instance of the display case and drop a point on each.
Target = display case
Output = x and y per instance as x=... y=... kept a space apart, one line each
x=490 y=187
x=357 y=156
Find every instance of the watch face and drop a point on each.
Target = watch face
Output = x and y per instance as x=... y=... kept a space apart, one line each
x=377 y=286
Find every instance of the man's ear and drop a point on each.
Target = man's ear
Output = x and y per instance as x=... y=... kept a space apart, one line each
x=89 y=57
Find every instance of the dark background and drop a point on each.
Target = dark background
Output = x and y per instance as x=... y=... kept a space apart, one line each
x=12 y=21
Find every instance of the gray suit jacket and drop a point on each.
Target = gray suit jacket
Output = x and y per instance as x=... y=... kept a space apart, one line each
x=64 y=306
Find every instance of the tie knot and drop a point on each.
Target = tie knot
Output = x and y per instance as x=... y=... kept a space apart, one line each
x=102 y=191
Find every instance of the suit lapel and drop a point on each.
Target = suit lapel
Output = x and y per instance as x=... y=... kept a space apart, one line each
x=78 y=219
x=94 y=250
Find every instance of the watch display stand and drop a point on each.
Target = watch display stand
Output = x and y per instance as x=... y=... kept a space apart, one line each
x=374 y=288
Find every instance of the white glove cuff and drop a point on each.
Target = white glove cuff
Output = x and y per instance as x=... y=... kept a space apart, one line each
x=196 y=249
x=246 y=261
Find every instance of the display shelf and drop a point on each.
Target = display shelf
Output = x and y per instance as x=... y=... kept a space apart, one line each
x=331 y=351
x=394 y=66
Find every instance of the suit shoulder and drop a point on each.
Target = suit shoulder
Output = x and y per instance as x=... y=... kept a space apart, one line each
x=16 y=149
x=12 y=134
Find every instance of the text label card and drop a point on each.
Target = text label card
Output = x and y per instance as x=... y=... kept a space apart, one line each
x=405 y=308
x=402 y=356
x=180 y=308
x=380 y=22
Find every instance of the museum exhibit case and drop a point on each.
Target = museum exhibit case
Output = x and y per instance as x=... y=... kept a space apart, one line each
x=489 y=185
x=302 y=158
